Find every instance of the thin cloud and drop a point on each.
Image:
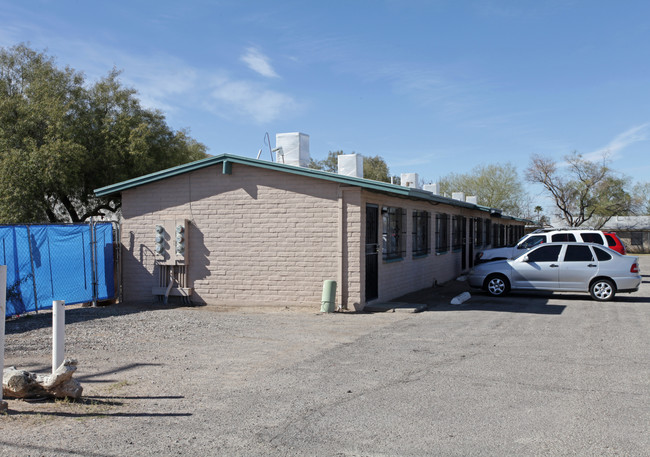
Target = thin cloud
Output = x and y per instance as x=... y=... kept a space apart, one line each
x=620 y=142
x=259 y=63
x=250 y=99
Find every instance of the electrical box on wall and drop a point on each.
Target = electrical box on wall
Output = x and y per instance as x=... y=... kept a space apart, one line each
x=171 y=242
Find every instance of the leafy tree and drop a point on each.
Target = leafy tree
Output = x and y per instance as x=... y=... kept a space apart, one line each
x=61 y=138
x=373 y=167
x=583 y=191
x=496 y=186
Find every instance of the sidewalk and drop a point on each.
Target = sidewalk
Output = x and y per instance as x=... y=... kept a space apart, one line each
x=422 y=299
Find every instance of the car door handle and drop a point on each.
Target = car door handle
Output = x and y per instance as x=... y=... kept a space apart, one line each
x=553 y=265
x=591 y=265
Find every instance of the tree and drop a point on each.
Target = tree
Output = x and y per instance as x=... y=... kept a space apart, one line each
x=583 y=191
x=641 y=199
x=61 y=138
x=373 y=167
x=496 y=186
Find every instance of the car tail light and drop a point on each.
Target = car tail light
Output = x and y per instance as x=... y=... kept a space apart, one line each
x=634 y=268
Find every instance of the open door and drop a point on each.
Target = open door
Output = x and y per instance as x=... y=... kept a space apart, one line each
x=372 y=252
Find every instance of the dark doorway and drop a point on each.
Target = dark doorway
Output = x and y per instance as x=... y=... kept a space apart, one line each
x=372 y=254
x=463 y=242
x=471 y=241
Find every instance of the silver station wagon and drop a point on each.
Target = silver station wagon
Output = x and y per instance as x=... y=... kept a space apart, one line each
x=561 y=267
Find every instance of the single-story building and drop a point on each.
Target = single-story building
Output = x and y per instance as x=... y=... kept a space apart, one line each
x=237 y=231
x=634 y=232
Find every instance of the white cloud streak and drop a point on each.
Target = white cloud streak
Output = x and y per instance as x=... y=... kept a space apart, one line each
x=620 y=142
x=250 y=99
x=259 y=63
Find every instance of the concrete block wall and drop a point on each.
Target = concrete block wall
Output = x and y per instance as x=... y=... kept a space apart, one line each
x=257 y=237
x=412 y=273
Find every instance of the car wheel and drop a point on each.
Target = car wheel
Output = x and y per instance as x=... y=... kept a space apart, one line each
x=497 y=285
x=602 y=290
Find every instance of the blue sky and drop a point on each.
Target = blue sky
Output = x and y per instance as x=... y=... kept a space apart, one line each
x=433 y=87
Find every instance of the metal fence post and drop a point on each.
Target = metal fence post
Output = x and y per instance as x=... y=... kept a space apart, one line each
x=31 y=261
x=93 y=260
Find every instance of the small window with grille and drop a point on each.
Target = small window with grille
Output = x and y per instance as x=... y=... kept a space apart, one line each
x=420 y=233
x=392 y=236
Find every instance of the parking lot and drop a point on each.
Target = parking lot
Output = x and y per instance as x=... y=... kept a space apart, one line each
x=526 y=374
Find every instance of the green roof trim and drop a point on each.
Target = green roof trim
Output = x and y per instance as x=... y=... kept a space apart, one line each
x=228 y=160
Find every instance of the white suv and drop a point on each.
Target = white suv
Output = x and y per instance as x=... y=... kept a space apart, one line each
x=541 y=236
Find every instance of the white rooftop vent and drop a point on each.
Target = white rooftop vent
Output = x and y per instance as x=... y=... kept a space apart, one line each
x=458 y=196
x=432 y=187
x=409 y=180
x=295 y=148
x=350 y=165
x=472 y=199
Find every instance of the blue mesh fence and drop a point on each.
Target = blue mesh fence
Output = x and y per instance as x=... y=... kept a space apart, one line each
x=56 y=262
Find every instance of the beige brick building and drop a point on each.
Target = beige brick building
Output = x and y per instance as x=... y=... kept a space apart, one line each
x=258 y=233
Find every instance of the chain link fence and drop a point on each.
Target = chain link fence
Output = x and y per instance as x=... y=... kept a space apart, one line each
x=71 y=262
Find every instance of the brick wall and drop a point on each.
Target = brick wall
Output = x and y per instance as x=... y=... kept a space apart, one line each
x=262 y=237
x=257 y=237
x=411 y=273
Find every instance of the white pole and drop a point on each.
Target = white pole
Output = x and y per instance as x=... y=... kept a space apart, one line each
x=3 y=312
x=58 y=333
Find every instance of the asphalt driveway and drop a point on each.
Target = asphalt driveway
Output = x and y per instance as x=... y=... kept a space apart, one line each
x=543 y=374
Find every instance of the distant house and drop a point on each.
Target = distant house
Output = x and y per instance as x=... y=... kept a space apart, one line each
x=258 y=233
x=634 y=232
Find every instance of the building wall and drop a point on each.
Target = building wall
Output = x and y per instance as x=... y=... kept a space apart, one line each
x=257 y=237
x=635 y=241
x=262 y=237
x=414 y=272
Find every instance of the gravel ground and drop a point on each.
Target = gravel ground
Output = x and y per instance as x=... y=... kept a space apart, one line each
x=523 y=375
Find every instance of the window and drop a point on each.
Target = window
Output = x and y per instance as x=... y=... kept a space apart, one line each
x=392 y=233
x=531 y=241
x=488 y=227
x=442 y=233
x=636 y=238
x=478 y=232
x=456 y=233
x=420 y=233
x=578 y=254
x=545 y=254
x=592 y=238
x=563 y=237
x=602 y=255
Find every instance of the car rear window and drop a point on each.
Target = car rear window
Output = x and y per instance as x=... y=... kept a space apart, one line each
x=592 y=238
x=610 y=240
x=578 y=254
x=545 y=254
x=602 y=255
x=563 y=237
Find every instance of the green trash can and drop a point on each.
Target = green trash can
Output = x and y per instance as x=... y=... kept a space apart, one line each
x=329 y=295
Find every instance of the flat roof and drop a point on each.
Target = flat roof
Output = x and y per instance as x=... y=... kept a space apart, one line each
x=228 y=159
